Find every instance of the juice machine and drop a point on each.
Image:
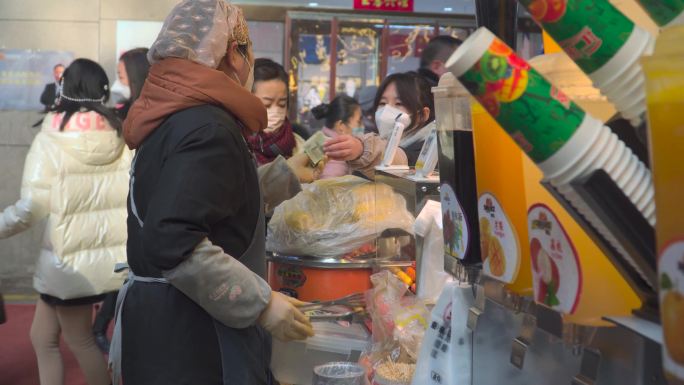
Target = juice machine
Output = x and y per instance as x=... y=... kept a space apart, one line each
x=523 y=335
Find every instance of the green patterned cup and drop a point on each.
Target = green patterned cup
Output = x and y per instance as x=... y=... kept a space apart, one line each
x=664 y=12
x=603 y=42
x=537 y=115
x=564 y=141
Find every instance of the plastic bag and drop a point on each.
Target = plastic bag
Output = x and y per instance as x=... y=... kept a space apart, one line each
x=432 y=277
x=333 y=217
x=399 y=322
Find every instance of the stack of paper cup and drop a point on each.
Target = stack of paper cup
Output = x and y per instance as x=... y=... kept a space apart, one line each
x=604 y=43
x=564 y=141
x=664 y=12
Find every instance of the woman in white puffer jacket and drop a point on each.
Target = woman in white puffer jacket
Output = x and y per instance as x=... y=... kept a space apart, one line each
x=76 y=176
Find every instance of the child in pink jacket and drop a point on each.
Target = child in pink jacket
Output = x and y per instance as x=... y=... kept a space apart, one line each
x=342 y=117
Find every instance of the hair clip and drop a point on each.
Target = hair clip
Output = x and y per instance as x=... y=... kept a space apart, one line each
x=82 y=100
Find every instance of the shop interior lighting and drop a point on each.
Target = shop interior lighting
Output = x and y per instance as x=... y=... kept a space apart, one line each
x=448 y=9
x=313 y=4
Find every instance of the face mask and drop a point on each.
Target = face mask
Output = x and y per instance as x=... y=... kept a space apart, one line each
x=250 y=78
x=121 y=89
x=276 y=117
x=386 y=116
x=358 y=131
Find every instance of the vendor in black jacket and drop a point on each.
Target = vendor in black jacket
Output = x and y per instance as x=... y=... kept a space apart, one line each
x=196 y=309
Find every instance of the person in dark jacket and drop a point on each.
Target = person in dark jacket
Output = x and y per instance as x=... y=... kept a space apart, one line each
x=196 y=309
x=51 y=90
x=434 y=57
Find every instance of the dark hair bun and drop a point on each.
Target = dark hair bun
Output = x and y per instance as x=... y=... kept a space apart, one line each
x=320 y=111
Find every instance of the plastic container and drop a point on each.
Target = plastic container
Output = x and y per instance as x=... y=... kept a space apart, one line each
x=594 y=146
x=564 y=141
x=566 y=75
x=623 y=71
x=604 y=43
x=665 y=99
x=339 y=373
x=458 y=187
x=665 y=13
x=294 y=362
x=635 y=12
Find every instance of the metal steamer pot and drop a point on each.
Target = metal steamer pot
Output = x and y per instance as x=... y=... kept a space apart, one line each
x=319 y=279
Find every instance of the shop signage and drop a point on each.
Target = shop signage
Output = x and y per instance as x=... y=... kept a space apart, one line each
x=384 y=5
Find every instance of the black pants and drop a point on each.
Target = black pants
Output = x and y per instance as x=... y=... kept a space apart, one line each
x=106 y=313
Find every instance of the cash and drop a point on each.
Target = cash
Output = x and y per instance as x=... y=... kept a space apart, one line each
x=313 y=148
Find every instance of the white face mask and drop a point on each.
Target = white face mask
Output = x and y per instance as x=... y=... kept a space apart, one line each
x=250 y=77
x=386 y=116
x=121 y=89
x=276 y=117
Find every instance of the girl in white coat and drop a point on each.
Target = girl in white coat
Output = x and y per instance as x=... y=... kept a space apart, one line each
x=76 y=176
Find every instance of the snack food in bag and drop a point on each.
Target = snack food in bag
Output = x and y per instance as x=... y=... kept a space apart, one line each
x=333 y=217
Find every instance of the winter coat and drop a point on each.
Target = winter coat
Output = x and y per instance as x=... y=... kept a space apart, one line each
x=334 y=168
x=195 y=184
x=77 y=179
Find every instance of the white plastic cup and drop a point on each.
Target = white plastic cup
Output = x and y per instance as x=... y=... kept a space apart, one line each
x=621 y=79
x=470 y=51
x=594 y=146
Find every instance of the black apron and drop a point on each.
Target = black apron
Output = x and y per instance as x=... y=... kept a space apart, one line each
x=245 y=353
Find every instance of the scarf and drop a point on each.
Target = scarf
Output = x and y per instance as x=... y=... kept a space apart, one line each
x=176 y=84
x=267 y=146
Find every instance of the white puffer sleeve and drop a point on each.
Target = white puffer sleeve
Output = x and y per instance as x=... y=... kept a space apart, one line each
x=39 y=171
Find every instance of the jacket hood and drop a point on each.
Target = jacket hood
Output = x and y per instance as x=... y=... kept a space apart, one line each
x=87 y=137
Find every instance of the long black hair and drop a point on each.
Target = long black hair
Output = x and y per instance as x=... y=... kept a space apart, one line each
x=342 y=108
x=137 y=67
x=86 y=81
x=414 y=92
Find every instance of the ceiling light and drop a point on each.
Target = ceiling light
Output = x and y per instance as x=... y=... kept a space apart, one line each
x=313 y=4
x=448 y=9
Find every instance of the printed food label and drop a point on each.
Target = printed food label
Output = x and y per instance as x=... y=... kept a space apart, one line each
x=671 y=270
x=498 y=240
x=455 y=224
x=556 y=272
x=591 y=32
x=663 y=11
x=538 y=116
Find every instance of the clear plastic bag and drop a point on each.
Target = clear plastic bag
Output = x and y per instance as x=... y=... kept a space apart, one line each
x=333 y=217
x=399 y=323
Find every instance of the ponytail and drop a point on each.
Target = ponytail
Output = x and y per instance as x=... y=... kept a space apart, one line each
x=321 y=111
x=340 y=109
